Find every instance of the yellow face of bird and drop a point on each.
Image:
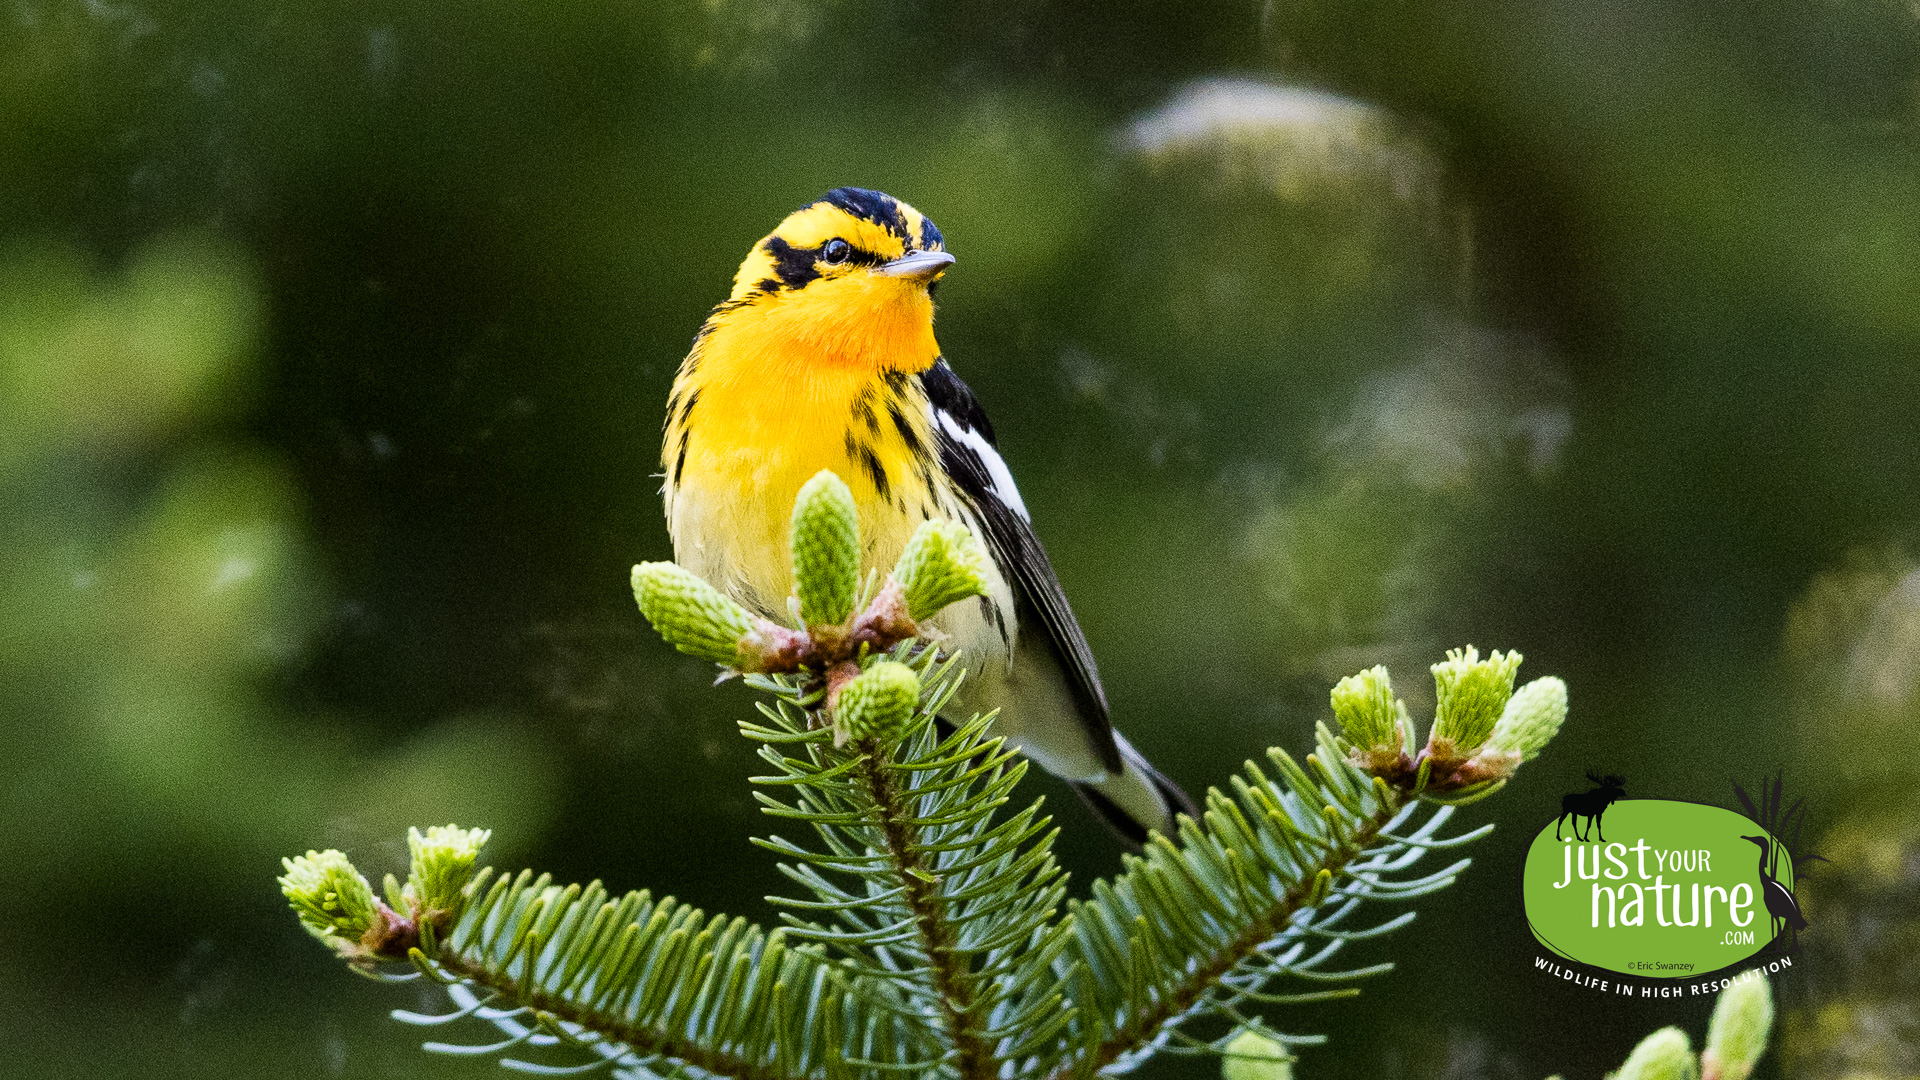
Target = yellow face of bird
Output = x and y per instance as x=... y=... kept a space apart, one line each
x=846 y=283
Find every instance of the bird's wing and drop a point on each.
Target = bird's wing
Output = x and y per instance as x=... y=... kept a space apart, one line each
x=965 y=441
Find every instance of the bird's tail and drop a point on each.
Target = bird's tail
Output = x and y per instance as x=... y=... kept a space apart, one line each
x=1137 y=799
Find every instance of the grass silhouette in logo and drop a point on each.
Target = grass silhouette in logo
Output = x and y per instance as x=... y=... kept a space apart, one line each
x=1590 y=805
x=1778 y=841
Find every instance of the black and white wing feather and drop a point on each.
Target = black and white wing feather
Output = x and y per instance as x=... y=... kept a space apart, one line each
x=965 y=442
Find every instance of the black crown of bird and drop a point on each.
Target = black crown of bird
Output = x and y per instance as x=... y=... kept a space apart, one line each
x=824 y=357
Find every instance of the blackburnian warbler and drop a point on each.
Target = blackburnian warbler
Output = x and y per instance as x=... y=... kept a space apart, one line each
x=824 y=358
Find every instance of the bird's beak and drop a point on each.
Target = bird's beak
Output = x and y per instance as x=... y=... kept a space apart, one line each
x=918 y=266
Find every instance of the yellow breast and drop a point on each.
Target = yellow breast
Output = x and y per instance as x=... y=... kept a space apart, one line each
x=769 y=397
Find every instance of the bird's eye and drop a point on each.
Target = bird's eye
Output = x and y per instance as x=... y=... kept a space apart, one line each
x=836 y=251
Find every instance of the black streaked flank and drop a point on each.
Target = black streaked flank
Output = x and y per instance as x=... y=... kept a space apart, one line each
x=680 y=460
x=905 y=428
x=863 y=408
x=992 y=611
x=877 y=471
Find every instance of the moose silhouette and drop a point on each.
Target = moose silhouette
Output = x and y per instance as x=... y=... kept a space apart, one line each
x=1590 y=805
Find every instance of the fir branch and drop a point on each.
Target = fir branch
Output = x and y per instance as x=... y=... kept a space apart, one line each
x=1184 y=997
x=949 y=906
x=649 y=1042
x=664 y=986
x=947 y=954
x=951 y=957
x=953 y=983
x=1200 y=928
x=1194 y=930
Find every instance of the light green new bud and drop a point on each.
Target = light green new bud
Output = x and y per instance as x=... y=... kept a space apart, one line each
x=1737 y=1035
x=1532 y=718
x=943 y=564
x=1472 y=694
x=1663 y=1055
x=878 y=703
x=826 y=550
x=333 y=900
x=443 y=861
x=1253 y=1056
x=690 y=614
x=1368 y=712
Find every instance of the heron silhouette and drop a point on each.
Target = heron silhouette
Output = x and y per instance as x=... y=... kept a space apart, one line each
x=1785 y=911
x=1780 y=839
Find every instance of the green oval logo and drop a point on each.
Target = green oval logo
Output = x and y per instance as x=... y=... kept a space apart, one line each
x=1675 y=889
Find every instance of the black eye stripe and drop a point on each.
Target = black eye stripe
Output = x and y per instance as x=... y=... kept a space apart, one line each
x=795 y=267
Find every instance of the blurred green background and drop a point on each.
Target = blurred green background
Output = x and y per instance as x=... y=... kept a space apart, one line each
x=335 y=337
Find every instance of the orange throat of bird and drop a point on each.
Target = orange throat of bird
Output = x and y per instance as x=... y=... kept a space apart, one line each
x=780 y=387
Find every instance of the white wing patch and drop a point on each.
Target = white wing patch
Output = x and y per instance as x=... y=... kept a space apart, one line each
x=998 y=476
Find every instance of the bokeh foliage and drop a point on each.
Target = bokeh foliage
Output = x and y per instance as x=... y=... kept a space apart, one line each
x=334 y=337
